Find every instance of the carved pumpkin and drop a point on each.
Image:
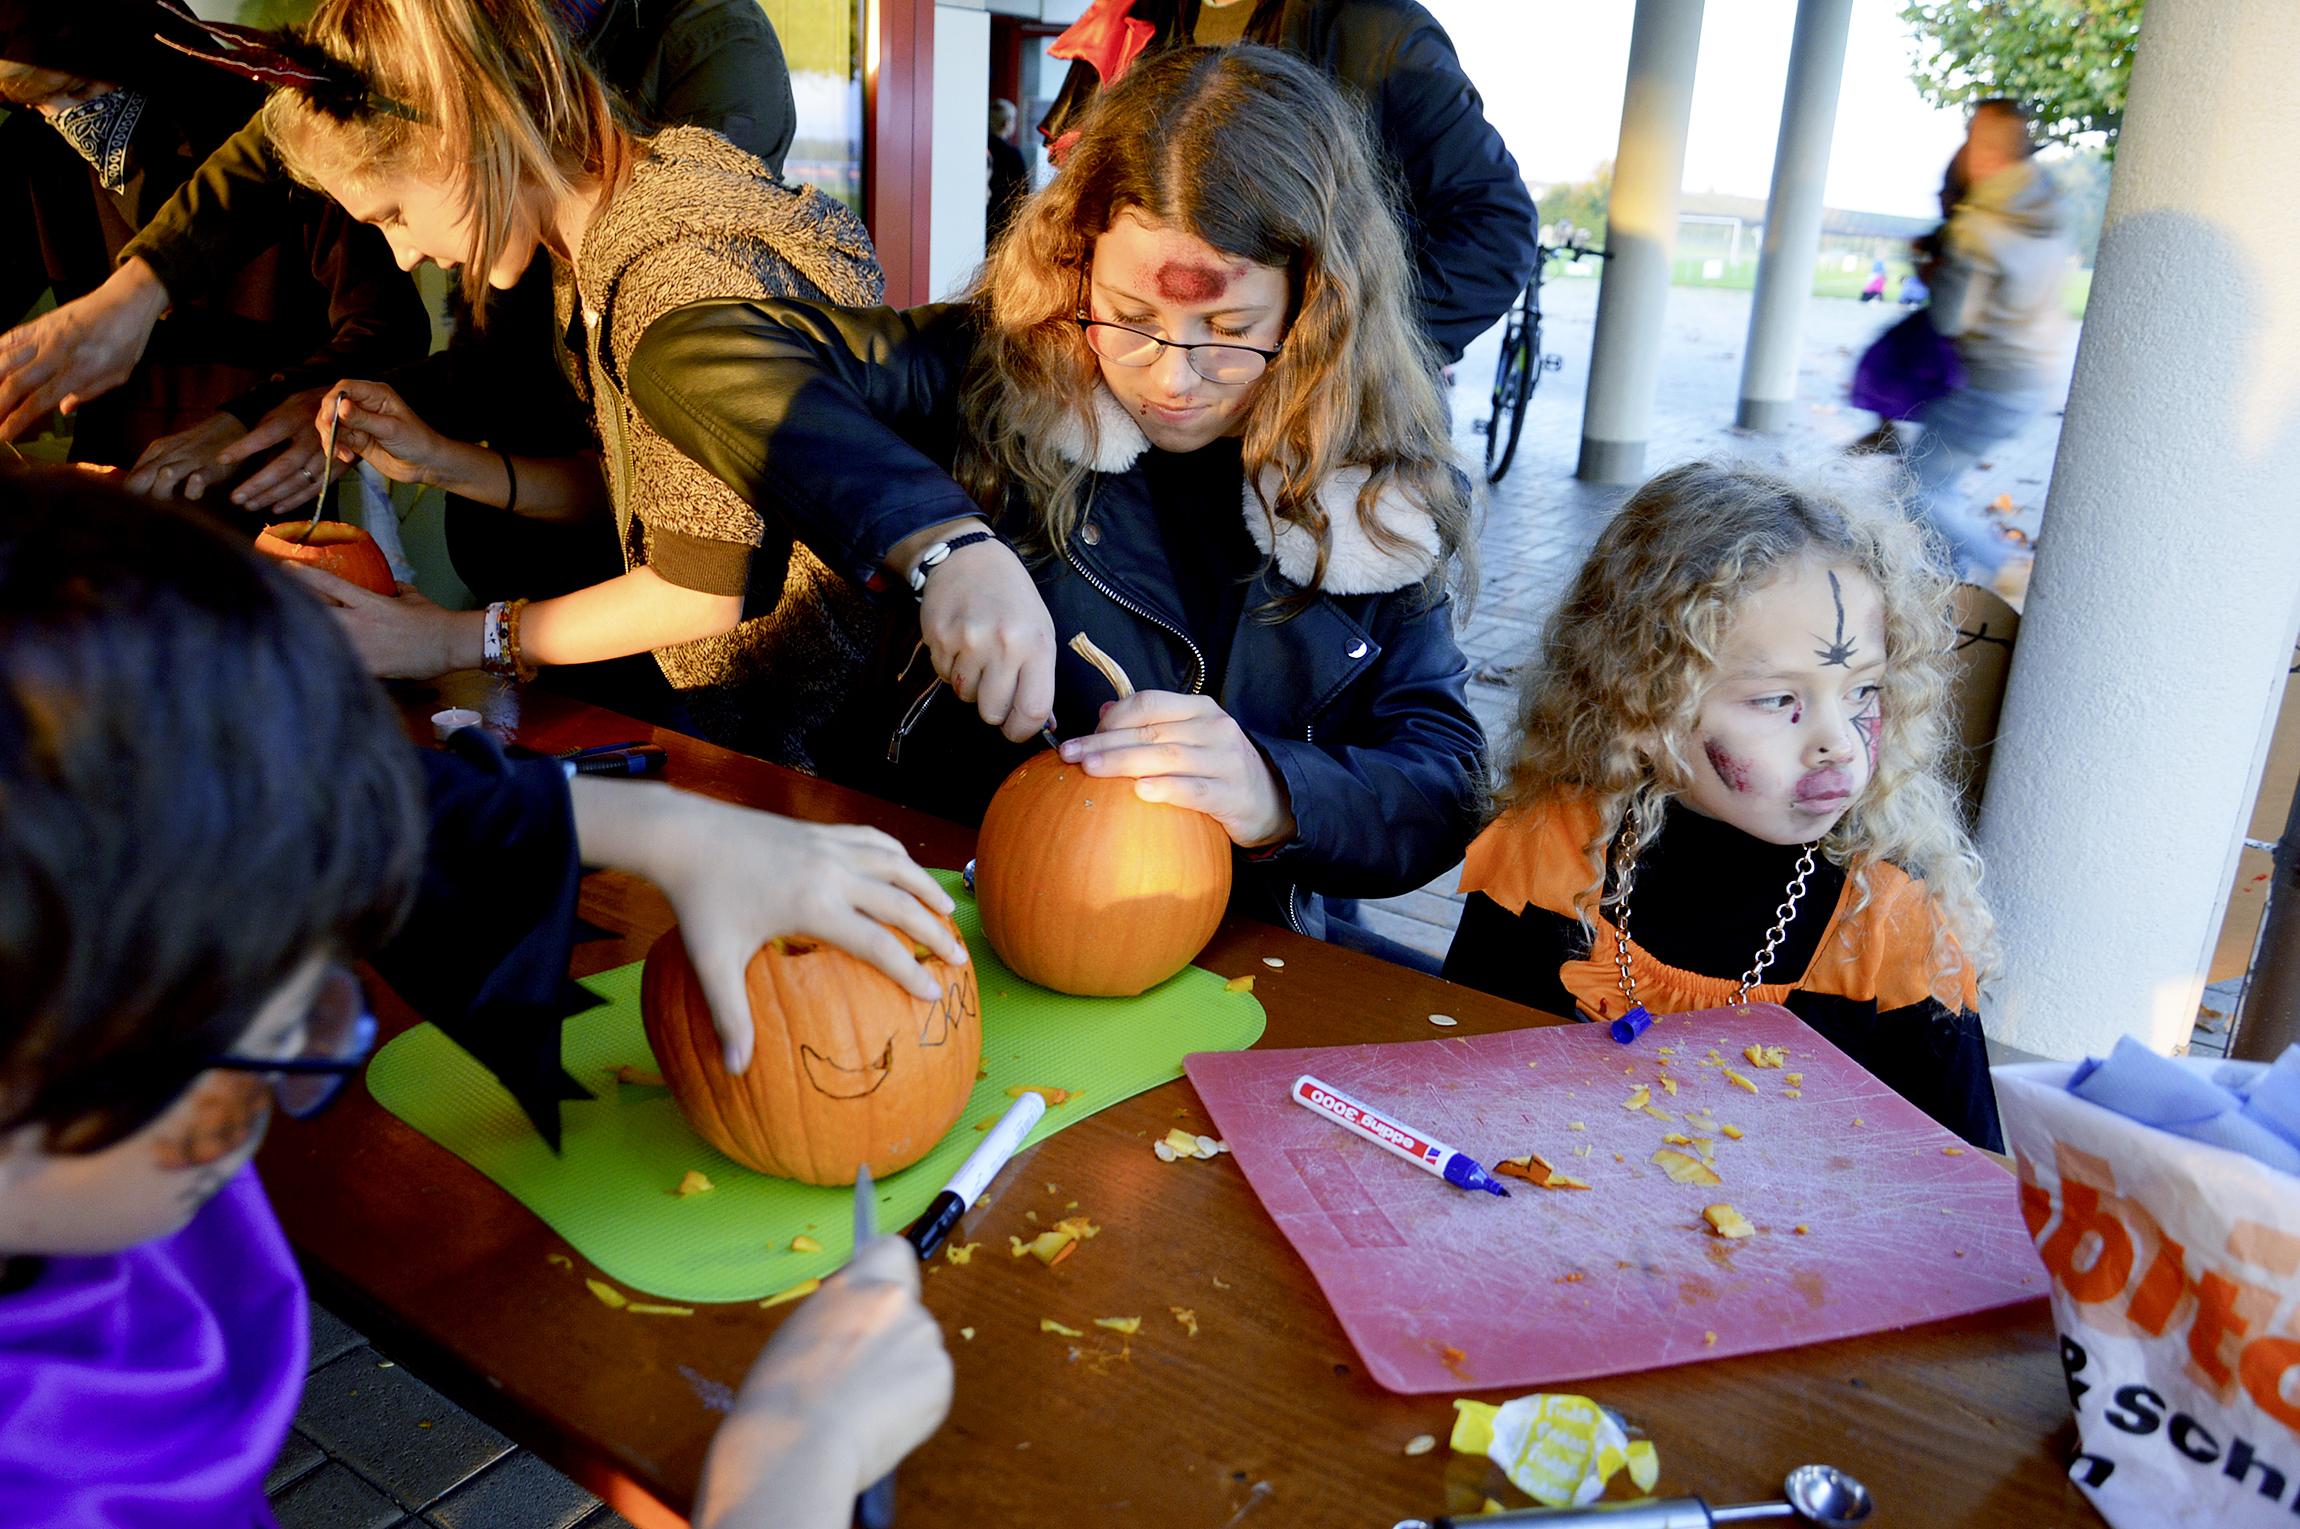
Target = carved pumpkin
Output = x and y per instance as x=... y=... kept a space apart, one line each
x=1088 y=889
x=345 y=550
x=848 y=1068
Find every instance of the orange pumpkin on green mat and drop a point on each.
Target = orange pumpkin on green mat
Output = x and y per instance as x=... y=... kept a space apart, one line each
x=848 y=1068
x=345 y=550
x=1088 y=889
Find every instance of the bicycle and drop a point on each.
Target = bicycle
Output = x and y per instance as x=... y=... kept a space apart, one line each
x=1522 y=363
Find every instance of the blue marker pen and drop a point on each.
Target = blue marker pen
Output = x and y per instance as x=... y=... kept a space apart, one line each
x=1424 y=1152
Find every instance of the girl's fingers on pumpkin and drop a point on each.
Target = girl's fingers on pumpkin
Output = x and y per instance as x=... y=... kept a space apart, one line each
x=328 y=587
x=729 y=998
x=872 y=941
x=884 y=903
x=883 y=856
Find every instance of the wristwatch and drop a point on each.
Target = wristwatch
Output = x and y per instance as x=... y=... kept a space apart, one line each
x=941 y=550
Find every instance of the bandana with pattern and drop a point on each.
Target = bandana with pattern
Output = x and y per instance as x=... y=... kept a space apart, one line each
x=100 y=130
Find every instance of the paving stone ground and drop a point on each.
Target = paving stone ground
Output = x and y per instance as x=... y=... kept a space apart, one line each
x=376 y=1448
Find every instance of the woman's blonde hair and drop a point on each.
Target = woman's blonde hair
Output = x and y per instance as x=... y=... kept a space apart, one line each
x=490 y=94
x=1258 y=155
x=1610 y=704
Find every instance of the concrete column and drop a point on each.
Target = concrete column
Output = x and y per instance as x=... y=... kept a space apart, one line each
x=1640 y=235
x=1793 y=215
x=2162 y=614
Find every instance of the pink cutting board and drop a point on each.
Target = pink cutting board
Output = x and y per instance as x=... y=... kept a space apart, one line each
x=1563 y=1285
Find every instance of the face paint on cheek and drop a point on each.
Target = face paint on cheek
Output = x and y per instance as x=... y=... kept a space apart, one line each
x=1732 y=771
x=1870 y=723
x=229 y=1109
x=1182 y=282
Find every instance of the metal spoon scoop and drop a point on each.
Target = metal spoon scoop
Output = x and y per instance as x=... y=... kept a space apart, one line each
x=1820 y=1495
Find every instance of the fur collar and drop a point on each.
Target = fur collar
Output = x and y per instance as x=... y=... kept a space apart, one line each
x=1355 y=565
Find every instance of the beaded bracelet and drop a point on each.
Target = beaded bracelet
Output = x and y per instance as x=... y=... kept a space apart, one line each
x=515 y=662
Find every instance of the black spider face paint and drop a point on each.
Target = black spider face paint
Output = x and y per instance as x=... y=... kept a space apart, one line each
x=1838 y=652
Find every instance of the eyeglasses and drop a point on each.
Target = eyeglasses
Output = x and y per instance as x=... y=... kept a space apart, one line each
x=338 y=1034
x=1226 y=364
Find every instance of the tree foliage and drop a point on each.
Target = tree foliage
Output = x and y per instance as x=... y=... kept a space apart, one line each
x=2067 y=61
x=1583 y=203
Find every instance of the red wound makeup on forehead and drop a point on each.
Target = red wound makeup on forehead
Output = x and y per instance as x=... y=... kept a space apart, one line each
x=1184 y=282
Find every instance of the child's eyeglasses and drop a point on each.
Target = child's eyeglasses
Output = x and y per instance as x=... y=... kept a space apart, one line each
x=338 y=1034
x=1229 y=364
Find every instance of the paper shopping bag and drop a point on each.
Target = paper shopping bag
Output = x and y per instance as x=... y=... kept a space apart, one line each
x=2175 y=1272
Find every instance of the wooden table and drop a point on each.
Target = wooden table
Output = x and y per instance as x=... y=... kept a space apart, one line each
x=1263 y=1419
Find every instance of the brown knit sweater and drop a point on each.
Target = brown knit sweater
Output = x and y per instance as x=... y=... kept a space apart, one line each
x=700 y=218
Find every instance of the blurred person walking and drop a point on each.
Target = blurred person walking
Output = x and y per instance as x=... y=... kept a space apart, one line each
x=1996 y=295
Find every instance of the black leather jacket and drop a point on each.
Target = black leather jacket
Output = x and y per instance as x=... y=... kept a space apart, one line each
x=844 y=422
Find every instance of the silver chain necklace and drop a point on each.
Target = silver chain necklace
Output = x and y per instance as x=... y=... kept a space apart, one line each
x=1783 y=916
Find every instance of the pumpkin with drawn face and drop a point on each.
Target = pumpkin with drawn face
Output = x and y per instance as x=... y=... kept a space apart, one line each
x=848 y=1068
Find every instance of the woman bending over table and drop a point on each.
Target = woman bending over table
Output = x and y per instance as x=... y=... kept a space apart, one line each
x=1187 y=411
x=474 y=134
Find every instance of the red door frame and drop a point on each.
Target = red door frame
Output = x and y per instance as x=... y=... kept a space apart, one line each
x=898 y=154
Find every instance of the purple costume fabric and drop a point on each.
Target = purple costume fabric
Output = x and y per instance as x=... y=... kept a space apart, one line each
x=155 y=1387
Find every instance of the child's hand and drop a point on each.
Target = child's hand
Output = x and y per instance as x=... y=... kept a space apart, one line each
x=1186 y=750
x=398 y=637
x=856 y=1379
x=737 y=878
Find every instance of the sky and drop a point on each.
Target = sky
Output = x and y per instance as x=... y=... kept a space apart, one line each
x=1551 y=72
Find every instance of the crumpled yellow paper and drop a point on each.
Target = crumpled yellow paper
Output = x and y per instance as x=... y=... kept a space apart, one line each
x=1559 y=1450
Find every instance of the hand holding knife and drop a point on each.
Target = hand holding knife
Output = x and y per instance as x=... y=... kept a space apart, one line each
x=874 y=1509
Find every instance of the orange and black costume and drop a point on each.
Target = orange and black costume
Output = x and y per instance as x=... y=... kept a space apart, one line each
x=1703 y=900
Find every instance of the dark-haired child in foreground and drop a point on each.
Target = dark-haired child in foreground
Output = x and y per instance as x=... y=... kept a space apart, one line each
x=206 y=812
x=1728 y=788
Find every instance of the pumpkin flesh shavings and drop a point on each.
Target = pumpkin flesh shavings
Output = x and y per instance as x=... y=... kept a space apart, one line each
x=805 y=1244
x=1766 y=1056
x=1049 y=1325
x=1239 y=985
x=1128 y=1325
x=1725 y=1221
x=1178 y=1143
x=693 y=1184
x=1735 y=1131
x=608 y=1295
x=1738 y=1081
x=561 y=1259
x=649 y=1309
x=1639 y=1099
x=1535 y=1170
x=1683 y=1169
x=1671 y=1085
x=1052 y=1096
x=638 y=1075
x=1050 y=1247
x=797 y=1292
x=1187 y=1317
x=960 y=1252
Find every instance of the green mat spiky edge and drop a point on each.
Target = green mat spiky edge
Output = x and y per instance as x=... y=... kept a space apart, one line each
x=608 y=1192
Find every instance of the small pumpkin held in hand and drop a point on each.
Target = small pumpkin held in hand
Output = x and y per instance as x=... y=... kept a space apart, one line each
x=1086 y=888
x=346 y=551
x=847 y=1068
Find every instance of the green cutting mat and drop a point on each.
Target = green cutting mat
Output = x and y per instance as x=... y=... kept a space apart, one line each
x=609 y=1191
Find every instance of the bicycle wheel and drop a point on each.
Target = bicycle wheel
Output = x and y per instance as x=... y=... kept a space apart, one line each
x=1528 y=373
x=1509 y=382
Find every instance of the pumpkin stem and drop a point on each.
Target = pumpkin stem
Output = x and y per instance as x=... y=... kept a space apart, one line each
x=1083 y=646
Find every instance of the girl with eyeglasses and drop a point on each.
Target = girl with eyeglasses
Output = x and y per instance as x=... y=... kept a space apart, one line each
x=1186 y=411
x=206 y=811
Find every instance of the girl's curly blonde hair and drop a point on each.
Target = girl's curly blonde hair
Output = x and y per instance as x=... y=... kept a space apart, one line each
x=1610 y=703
